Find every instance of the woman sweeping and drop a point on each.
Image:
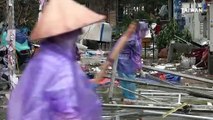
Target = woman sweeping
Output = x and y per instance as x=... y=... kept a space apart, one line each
x=128 y=50
x=129 y=60
x=53 y=86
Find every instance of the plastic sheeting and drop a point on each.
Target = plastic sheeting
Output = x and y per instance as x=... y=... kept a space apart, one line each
x=101 y=31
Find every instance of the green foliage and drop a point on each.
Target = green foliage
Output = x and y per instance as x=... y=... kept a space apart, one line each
x=142 y=15
x=2 y=10
x=186 y=35
x=169 y=31
x=125 y=22
x=121 y=27
x=26 y=12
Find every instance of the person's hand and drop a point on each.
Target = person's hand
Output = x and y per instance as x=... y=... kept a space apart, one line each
x=131 y=29
x=99 y=76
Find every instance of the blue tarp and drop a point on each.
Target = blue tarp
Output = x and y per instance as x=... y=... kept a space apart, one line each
x=173 y=79
x=22 y=42
x=21 y=37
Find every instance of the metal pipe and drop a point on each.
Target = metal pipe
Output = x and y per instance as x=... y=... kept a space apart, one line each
x=170 y=94
x=121 y=106
x=143 y=102
x=179 y=74
x=137 y=107
x=181 y=115
x=138 y=94
x=179 y=99
x=173 y=114
x=191 y=92
x=148 y=90
x=126 y=114
x=114 y=73
x=147 y=84
x=144 y=83
x=182 y=40
x=167 y=83
x=198 y=88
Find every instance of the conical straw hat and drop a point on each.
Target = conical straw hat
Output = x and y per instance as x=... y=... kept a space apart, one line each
x=62 y=16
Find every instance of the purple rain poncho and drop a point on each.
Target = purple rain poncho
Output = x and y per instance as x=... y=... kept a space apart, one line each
x=129 y=60
x=53 y=86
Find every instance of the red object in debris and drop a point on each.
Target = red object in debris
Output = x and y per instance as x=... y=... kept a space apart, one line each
x=198 y=53
x=24 y=52
x=160 y=75
x=106 y=80
x=205 y=55
x=157 y=29
x=208 y=1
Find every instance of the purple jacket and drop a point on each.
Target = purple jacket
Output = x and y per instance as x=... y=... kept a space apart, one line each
x=129 y=60
x=53 y=87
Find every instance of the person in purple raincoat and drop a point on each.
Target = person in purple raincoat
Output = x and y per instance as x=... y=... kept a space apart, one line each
x=53 y=86
x=129 y=60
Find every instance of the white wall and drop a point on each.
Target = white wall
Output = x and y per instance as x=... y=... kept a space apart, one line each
x=193 y=21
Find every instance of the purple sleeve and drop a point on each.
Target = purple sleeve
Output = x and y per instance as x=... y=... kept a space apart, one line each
x=131 y=44
x=62 y=96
